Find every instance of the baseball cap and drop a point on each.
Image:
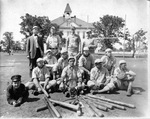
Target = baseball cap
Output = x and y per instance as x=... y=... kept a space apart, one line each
x=35 y=27
x=39 y=59
x=16 y=78
x=64 y=50
x=98 y=61
x=108 y=50
x=53 y=27
x=122 y=62
x=71 y=57
x=48 y=51
x=88 y=31
x=86 y=48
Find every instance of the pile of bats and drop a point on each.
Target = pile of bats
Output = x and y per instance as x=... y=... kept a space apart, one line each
x=92 y=103
x=96 y=104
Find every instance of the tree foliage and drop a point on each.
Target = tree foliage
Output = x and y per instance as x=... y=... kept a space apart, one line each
x=28 y=21
x=109 y=26
x=8 y=40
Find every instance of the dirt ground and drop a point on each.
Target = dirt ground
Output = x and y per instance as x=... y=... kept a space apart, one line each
x=18 y=64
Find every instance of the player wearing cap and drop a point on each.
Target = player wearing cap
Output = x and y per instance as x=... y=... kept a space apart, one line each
x=55 y=51
x=71 y=77
x=40 y=75
x=99 y=76
x=53 y=39
x=122 y=80
x=16 y=92
x=109 y=61
x=86 y=63
x=73 y=44
x=34 y=48
x=62 y=63
x=89 y=42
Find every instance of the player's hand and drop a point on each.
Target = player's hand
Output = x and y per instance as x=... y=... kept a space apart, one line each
x=14 y=103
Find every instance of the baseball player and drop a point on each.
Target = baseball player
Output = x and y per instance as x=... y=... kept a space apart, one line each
x=41 y=76
x=123 y=79
x=16 y=92
x=71 y=77
x=73 y=44
x=86 y=63
x=109 y=61
x=53 y=39
x=89 y=42
x=99 y=76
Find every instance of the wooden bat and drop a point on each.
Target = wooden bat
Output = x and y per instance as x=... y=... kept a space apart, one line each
x=49 y=108
x=90 y=111
x=96 y=111
x=53 y=108
x=41 y=108
x=44 y=91
x=100 y=103
x=97 y=106
x=74 y=107
x=112 y=101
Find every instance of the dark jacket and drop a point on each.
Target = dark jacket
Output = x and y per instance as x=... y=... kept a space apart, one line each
x=31 y=48
x=16 y=94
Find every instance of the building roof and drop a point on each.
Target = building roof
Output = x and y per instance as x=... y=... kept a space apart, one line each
x=63 y=22
x=68 y=9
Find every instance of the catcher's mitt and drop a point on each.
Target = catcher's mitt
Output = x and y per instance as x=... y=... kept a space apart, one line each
x=121 y=75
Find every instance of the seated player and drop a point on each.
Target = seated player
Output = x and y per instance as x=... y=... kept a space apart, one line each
x=109 y=61
x=55 y=51
x=62 y=63
x=16 y=92
x=123 y=79
x=41 y=76
x=86 y=63
x=71 y=78
x=99 y=76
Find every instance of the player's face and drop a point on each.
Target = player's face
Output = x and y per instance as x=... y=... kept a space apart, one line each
x=72 y=31
x=71 y=62
x=64 y=55
x=40 y=64
x=108 y=53
x=52 y=31
x=98 y=65
x=16 y=84
x=123 y=66
x=86 y=52
x=35 y=31
x=88 y=34
x=49 y=54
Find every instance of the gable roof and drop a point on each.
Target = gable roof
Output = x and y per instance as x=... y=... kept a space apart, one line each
x=62 y=21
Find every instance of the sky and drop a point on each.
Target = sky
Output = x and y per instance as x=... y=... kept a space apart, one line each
x=136 y=12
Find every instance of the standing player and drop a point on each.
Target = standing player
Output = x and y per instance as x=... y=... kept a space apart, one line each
x=35 y=48
x=73 y=45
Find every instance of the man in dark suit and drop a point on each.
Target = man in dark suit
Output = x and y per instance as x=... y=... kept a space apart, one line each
x=35 y=48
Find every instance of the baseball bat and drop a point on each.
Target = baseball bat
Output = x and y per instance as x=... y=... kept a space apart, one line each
x=90 y=111
x=49 y=108
x=100 y=103
x=53 y=108
x=74 y=107
x=112 y=105
x=44 y=91
x=96 y=111
x=41 y=108
x=113 y=101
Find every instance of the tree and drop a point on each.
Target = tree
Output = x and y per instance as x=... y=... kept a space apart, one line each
x=108 y=27
x=28 y=21
x=8 y=39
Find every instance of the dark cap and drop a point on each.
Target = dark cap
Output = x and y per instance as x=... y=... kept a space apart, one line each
x=16 y=78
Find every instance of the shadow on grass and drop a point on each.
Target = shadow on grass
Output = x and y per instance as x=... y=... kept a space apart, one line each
x=33 y=99
x=139 y=89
